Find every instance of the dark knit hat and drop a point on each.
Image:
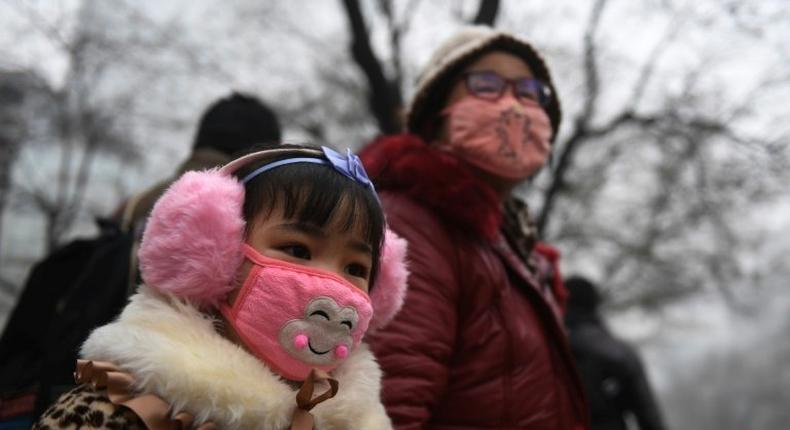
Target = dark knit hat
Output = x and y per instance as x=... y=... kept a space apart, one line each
x=236 y=123
x=583 y=294
x=449 y=60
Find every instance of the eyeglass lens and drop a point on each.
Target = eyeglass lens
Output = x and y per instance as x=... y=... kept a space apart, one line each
x=485 y=84
x=490 y=85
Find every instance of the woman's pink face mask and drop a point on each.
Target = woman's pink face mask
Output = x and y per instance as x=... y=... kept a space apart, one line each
x=505 y=137
x=295 y=318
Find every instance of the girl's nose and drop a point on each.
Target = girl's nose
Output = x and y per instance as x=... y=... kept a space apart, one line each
x=328 y=265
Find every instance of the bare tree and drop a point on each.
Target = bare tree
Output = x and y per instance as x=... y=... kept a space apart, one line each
x=80 y=125
x=702 y=170
x=635 y=185
x=384 y=96
x=692 y=190
x=385 y=93
x=11 y=134
x=487 y=12
x=582 y=121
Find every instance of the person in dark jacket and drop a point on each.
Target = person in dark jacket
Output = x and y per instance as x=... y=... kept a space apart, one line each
x=229 y=126
x=480 y=342
x=612 y=373
x=85 y=283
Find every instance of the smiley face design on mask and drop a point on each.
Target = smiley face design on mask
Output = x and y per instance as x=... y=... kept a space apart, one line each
x=323 y=335
x=295 y=317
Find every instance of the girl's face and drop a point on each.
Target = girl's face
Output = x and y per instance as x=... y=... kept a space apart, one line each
x=320 y=319
x=328 y=248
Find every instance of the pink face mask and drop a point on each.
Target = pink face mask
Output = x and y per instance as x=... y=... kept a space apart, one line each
x=505 y=137
x=295 y=318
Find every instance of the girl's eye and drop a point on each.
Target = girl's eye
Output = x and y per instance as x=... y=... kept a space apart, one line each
x=298 y=251
x=347 y=324
x=357 y=270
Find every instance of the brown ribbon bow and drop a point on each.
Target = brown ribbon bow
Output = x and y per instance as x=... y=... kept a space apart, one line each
x=303 y=419
x=152 y=410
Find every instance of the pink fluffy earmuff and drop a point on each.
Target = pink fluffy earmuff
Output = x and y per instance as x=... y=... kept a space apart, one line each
x=191 y=245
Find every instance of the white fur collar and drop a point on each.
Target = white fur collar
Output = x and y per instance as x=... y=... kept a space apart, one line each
x=173 y=350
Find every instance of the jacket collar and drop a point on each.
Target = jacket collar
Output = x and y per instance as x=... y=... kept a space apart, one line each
x=405 y=163
x=174 y=351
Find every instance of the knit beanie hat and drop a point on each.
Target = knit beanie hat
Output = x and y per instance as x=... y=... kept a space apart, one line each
x=449 y=60
x=583 y=294
x=235 y=124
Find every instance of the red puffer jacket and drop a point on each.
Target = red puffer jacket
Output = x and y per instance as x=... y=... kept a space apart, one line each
x=479 y=343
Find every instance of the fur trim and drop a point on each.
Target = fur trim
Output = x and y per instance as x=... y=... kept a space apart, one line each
x=191 y=246
x=174 y=351
x=439 y=181
x=390 y=290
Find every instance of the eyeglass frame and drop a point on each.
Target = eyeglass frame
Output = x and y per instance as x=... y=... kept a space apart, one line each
x=544 y=90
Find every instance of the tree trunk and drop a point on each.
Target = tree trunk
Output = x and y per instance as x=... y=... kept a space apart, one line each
x=487 y=13
x=384 y=97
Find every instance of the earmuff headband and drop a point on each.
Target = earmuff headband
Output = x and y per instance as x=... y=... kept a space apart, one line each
x=210 y=202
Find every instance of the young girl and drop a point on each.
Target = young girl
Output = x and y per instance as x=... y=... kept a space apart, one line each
x=261 y=280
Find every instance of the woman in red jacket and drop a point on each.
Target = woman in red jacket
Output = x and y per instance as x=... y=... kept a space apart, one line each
x=479 y=343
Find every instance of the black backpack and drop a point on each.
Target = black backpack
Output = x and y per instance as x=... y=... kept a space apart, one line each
x=78 y=287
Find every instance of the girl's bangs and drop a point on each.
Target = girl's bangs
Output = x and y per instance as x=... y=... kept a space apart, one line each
x=318 y=195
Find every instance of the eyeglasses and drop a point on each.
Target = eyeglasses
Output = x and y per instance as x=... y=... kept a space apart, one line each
x=490 y=85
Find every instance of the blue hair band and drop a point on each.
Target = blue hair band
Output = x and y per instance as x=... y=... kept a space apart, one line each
x=270 y=166
x=349 y=165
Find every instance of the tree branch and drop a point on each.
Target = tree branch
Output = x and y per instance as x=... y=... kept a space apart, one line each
x=646 y=73
x=411 y=8
x=487 y=13
x=395 y=36
x=384 y=98
x=583 y=120
x=591 y=78
x=38 y=21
